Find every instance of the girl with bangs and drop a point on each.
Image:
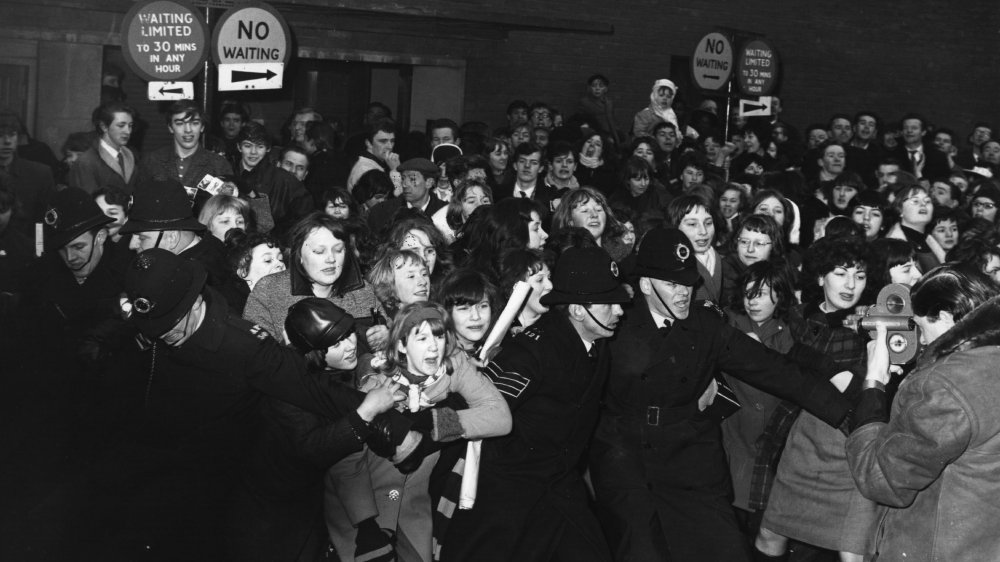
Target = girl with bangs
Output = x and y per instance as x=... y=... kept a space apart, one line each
x=759 y=308
x=500 y=174
x=471 y=301
x=637 y=188
x=423 y=358
x=467 y=198
x=758 y=238
x=814 y=499
x=588 y=208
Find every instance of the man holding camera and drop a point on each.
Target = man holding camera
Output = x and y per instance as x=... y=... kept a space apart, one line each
x=935 y=460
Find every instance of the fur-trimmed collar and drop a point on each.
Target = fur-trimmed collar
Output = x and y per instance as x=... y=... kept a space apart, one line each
x=979 y=328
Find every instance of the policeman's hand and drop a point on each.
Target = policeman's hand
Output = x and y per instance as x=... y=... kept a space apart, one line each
x=707 y=397
x=377 y=336
x=878 y=356
x=379 y=399
x=392 y=160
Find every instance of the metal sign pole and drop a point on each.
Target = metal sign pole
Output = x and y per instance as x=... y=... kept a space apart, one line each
x=206 y=78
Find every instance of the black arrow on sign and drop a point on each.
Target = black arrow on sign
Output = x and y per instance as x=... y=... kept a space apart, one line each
x=171 y=91
x=748 y=107
x=243 y=76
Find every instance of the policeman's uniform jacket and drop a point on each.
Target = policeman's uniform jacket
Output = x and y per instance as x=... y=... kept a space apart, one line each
x=532 y=501
x=175 y=470
x=657 y=462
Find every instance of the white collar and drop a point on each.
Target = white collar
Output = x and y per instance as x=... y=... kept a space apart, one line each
x=109 y=149
x=422 y=208
x=660 y=320
x=529 y=191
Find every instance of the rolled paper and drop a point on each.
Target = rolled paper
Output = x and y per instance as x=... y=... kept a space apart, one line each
x=518 y=296
x=470 y=475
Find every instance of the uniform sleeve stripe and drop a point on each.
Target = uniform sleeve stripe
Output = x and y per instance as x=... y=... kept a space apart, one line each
x=507 y=382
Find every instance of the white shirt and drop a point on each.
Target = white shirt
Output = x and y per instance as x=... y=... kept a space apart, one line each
x=523 y=191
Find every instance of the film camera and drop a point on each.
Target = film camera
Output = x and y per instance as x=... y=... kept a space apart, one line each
x=893 y=308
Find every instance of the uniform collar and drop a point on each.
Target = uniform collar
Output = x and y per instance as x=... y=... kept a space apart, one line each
x=213 y=327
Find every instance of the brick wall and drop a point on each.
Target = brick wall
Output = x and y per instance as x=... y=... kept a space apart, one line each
x=925 y=55
x=836 y=57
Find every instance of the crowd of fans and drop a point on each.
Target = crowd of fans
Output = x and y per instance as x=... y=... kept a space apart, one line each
x=382 y=260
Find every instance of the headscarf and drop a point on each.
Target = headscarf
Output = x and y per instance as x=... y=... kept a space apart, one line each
x=663 y=112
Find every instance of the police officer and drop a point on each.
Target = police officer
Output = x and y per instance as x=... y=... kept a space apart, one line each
x=657 y=463
x=75 y=289
x=162 y=493
x=532 y=502
x=162 y=217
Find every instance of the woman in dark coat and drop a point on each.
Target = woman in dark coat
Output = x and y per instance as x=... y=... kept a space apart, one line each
x=278 y=514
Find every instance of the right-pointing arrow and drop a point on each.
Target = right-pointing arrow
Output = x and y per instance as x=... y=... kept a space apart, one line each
x=243 y=76
x=750 y=106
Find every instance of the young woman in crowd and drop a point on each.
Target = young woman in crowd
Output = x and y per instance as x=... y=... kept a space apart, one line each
x=693 y=216
x=760 y=306
x=635 y=187
x=944 y=228
x=222 y=213
x=528 y=266
x=419 y=235
x=321 y=263
x=500 y=174
x=915 y=209
x=514 y=223
x=249 y=258
x=400 y=277
x=372 y=188
x=422 y=357
x=587 y=208
x=339 y=204
x=468 y=198
x=842 y=191
x=984 y=201
x=870 y=210
x=758 y=238
x=814 y=499
x=892 y=261
x=595 y=166
x=732 y=201
x=775 y=205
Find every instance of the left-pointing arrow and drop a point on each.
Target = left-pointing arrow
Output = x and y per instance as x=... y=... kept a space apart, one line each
x=243 y=76
x=172 y=91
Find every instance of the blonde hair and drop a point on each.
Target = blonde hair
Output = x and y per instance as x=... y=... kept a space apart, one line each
x=219 y=204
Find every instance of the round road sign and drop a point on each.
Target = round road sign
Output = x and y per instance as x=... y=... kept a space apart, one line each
x=165 y=40
x=251 y=33
x=712 y=63
x=758 y=68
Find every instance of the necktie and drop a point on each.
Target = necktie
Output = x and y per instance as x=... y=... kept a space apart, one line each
x=522 y=194
x=915 y=159
x=121 y=163
x=665 y=329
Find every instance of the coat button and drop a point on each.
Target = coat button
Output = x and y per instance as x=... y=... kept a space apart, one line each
x=684 y=379
x=643 y=376
x=758 y=405
x=394 y=495
x=647 y=445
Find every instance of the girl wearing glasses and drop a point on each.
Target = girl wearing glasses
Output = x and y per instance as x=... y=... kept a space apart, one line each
x=758 y=238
